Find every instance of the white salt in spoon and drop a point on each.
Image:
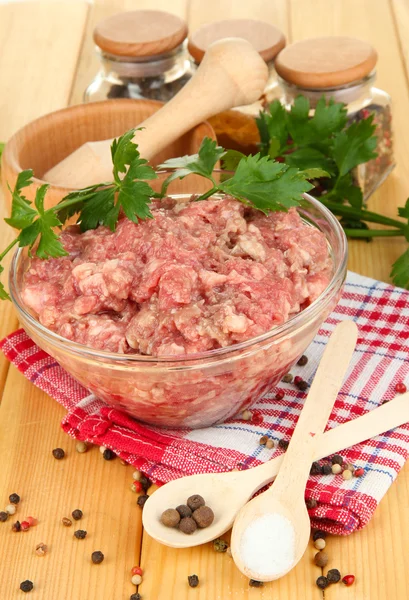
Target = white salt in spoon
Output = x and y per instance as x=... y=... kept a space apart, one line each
x=271 y=532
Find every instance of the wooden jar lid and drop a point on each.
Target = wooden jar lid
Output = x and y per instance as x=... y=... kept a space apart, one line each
x=140 y=33
x=265 y=38
x=326 y=62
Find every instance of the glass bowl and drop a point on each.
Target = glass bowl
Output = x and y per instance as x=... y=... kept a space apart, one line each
x=196 y=390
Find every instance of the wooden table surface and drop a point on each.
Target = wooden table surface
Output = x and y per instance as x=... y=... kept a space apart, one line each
x=46 y=60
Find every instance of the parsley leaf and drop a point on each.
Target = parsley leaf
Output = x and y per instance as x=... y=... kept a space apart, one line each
x=355 y=145
x=345 y=189
x=3 y=294
x=22 y=214
x=400 y=271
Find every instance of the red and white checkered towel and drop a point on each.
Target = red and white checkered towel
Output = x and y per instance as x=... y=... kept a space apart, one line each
x=380 y=361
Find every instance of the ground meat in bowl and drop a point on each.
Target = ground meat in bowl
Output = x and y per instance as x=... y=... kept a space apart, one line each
x=196 y=277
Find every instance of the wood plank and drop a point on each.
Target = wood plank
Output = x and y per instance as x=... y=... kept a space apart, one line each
x=376 y=555
x=50 y=490
x=89 y=63
x=34 y=79
x=400 y=12
x=371 y=21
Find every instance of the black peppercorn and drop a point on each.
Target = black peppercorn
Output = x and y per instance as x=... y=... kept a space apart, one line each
x=333 y=576
x=283 y=444
x=311 y=503
x=58 y=453
x=315 y=468
x=97 y=557
x=135 y=597
x=322 y=582
x=145 y=483
x=287 y=378
x=184 y=511
x=141 y=500
x=302 y=386
x=196 y=501
x=26 y=586
x=80 y=534
x=14 y=498
x=109 y=454
x=77 y=514
x=302 y=361
x=16 y=526
x=337 y=460
x=318 y=534
x=193 y=580
x=255 y=583
x=326 y=469
x=3 y=516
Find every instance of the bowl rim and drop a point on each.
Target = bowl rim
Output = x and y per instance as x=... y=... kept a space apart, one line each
x=288 y=327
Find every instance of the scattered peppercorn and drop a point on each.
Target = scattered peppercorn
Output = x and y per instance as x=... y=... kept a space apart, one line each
x=348 y=580
x=279 y=395
x=318 y=533
x=246 y=415
x=26 y=586
x=326 y=469
x=255 y=583
x=321 y=559
x=102 y=449
x=10 y=509
x=81 y=447
x=322 y=582
x=287 y=378
x=135 y=597
x=333 y=576
x=80 y=534
x=136 y=571
x=14 y=498
x=347 y=474
x=141 y=500
x=283 y=444
x=184 y=511
x=320 y=544
x=256 y=417
x=270 y=444
x=108 y=454
x=137 y=487
x=16 y=526
x=24 y=526
x=302 y=361
x=336 y=469
x=196 y=501
x=400 y=388
x=77 y=514
x=263 y=440
x=350 y=467
x=32 y=521
x=359 y=472
x=97 y=557
x=187 y=525
x=315 y=468
x=41 y=549
x=58 y=453
x=220 y=545
x=204 y=516
x=311 y=503
x=136 y=579
x=170 y=517
x=297 y=379
x=337 y=460
x=136 y=475
x=145 y=483
x=302 y=386
x=66 y=522
x=193 y=580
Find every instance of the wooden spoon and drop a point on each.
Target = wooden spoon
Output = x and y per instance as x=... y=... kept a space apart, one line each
x=280 y=513
x=231 y=74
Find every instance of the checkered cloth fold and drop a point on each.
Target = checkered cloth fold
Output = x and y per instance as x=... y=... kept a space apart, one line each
x=381 y=360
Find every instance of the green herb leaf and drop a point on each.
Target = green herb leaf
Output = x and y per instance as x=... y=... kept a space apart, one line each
x=3 y=294
x=403 y=211
x=265 y=184
x=400 y=271
x=123 y=152
x=22 y=214
x=315 y=173
x=99 y=209
x=310 y=158
x=345 y=189
x=273 y=129
x=329 y=117
x=231 y=159
x=355 y=145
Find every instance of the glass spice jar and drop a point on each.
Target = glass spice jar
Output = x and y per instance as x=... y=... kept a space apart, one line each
x=236 y=128
x=342 y=68
x=143 y=55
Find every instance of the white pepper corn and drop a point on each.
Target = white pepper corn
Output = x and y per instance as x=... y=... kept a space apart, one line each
x=81 y=447
x=136 y=475
x=336 y=469
x=270 y=444
x=102 y=449
x=10 y=509
x=136 y=579
x=246 y=415
x=320 y=544
x=347 y=474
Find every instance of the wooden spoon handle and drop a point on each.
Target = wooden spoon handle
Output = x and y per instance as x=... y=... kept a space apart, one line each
x=318 y=405
x=231 y=74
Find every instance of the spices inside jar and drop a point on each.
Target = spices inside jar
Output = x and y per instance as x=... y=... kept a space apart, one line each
x=143 y=56
x=236 y=129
